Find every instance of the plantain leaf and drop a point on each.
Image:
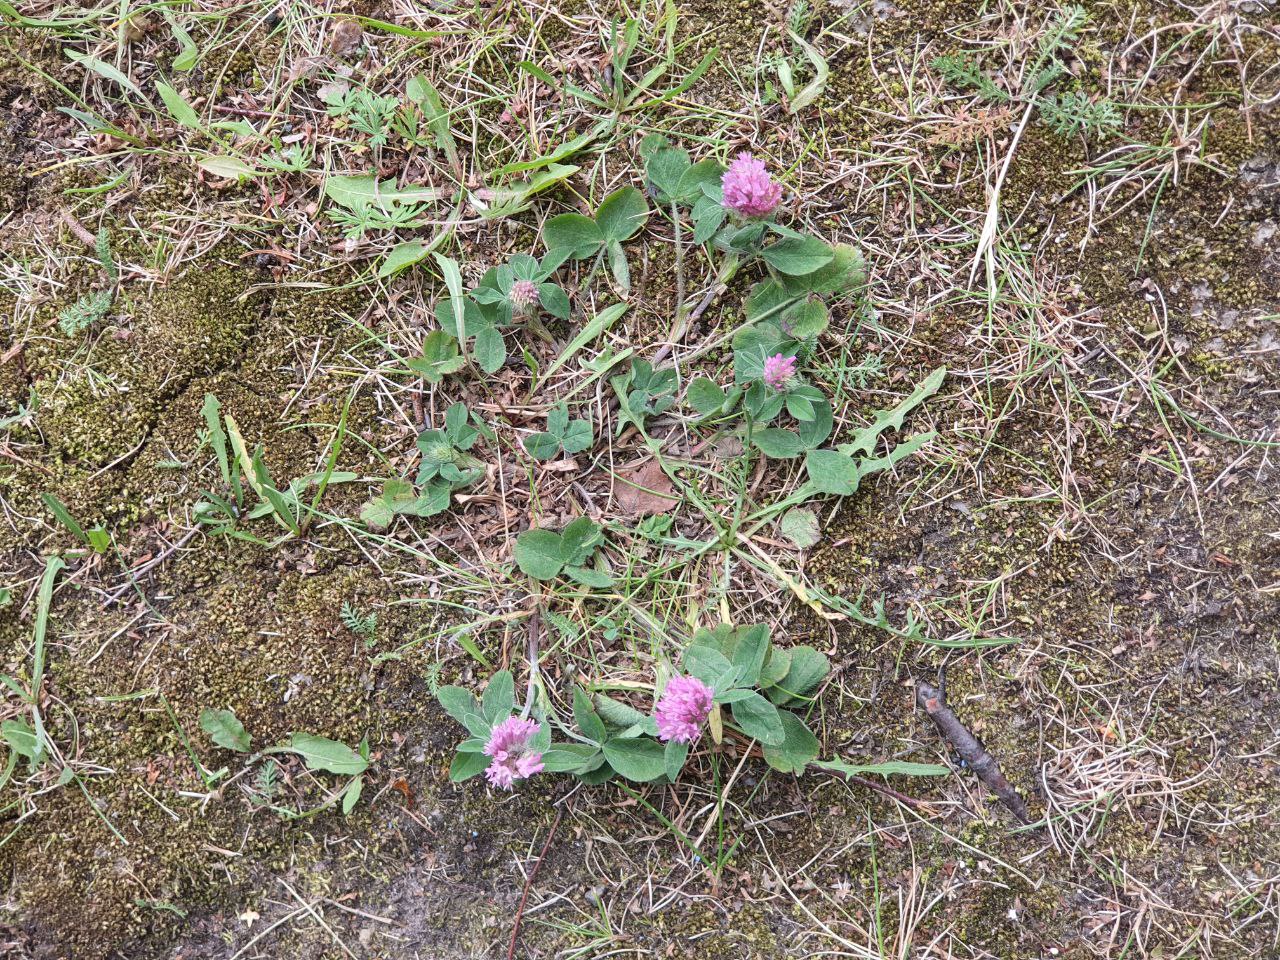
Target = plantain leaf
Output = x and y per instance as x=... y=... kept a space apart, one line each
x=225 y=729
x=321 y=753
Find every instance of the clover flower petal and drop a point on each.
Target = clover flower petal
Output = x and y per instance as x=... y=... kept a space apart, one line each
x=748 y=188
x=510 y=746
x=683 y=709
x=779 y=371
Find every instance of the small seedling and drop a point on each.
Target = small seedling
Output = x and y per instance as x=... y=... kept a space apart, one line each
x=363 y=625
x=399 y=498
x=363 y=203
x=644 y=392
x=266 y=784
x=802 y=60
x=444 y=450
x=319 y=754
x=446 y=466
x=619 y=93
x=1065 y=114
x=291 y=159
x=440 y=357
x=363 y=111
x=562 y=434
x=1076 y=112
x=93 y=307
x=545 y=554
x=241 y=469
x=575 y=236
x=96 y=539
x=425 y=100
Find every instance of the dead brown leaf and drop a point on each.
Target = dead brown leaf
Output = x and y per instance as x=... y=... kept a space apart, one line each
x=644 y=490
x=403 y=787
x=346 y=38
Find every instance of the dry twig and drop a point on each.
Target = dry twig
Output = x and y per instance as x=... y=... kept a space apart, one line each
x=934 y=702
x=528 y=884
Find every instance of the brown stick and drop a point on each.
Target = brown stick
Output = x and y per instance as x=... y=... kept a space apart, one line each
x=533 y=874
x=79 y=229
x=419 y=412
x=917 y=805
x=984 y=765
x=133 y=576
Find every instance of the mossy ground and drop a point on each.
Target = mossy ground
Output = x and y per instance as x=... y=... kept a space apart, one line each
x=1086 y=502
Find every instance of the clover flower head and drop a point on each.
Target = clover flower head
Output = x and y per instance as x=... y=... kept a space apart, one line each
x=779 y=370
x=683 y=709
x=513 y=755
x=748 y=188
x=524 y=294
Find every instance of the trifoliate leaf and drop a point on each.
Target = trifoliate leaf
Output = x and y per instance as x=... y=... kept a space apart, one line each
x=538 y=554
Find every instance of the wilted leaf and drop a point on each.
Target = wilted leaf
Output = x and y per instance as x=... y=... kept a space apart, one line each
x=345 y=38
x=228 y=168
x=800 y=527
x=889 y=768
x=726 y=448
x=821 y=71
